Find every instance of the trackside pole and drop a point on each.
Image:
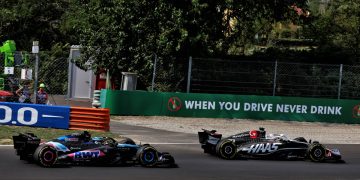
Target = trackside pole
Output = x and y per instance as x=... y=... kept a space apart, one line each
x=340 y=78
x=35 y=50
x=189 y=75
x=275 y=72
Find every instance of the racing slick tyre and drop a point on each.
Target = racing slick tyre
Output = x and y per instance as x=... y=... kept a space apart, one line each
x=316 y=152
x=226 y=149
x=147 y=156
x=45 y=155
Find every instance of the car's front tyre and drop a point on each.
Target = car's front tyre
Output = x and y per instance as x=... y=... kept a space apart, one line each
x=316 y=152
x=147 y=156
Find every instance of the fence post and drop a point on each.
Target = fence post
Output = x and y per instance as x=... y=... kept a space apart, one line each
x=35 y=50
x=154 y=74
x=70 y=74
x=340 y=78
x=275 y=72
x=189 y=75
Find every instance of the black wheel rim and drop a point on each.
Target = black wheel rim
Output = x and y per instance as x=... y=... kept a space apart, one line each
x=318 y=153
x=228 y=150
x=149 y=157
x=48 y=156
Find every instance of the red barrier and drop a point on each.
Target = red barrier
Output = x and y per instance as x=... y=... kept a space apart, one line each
x=89 y=119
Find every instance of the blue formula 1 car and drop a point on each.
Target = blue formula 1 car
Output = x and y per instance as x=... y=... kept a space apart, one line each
x=82 y=149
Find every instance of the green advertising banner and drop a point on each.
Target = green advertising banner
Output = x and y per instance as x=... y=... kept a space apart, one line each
x=231 y=106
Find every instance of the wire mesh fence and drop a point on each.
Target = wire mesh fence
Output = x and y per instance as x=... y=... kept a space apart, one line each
x=168 y=77
x=53 y=73
x=350 y=84
x=231 y=77
x=307 y=80
x=274 y=78
x=221 y=76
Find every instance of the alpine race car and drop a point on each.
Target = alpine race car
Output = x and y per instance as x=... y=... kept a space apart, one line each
x=255 y=144
x=81 y=148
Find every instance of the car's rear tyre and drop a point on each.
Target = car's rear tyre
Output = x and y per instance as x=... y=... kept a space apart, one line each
x=45 y=156
x=226 y=149
x=147 y=156
x=316 y=152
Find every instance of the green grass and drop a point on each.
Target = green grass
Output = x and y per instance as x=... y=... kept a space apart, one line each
x=6 y=133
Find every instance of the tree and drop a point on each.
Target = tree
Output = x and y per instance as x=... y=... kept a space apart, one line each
x=51 y=69
x=124 y=35
x=337 y=31
x=27 y=20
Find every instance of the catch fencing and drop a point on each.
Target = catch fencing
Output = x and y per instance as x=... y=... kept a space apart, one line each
x=53 y=72
x=270 y=78
x=220 y=76
x=168 y=75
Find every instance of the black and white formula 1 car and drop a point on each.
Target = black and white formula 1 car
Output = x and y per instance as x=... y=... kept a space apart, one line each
x=256 y=144
x=81 y=148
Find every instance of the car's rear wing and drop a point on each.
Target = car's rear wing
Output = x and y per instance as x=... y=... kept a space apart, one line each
x=205 y=135
x=25 y=144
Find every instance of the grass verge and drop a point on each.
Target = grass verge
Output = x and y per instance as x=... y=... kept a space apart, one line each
x=6 y=133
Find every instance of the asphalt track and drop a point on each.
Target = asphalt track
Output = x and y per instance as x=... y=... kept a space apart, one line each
x=193 y=164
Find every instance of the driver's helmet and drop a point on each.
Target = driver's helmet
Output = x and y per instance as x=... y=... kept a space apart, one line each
x=86 y=136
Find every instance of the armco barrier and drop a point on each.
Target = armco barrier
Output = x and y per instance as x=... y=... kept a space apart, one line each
x=89 y=118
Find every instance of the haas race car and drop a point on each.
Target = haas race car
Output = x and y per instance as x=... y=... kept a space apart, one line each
x=256 y=144
x=81 y=148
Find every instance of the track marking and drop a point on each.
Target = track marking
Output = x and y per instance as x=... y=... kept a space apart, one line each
x=155 y=143
x=140 y=143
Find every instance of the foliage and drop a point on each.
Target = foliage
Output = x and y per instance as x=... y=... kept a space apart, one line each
x=336 y=31
x=28 y=20
x=51 y=69
x=124 y=35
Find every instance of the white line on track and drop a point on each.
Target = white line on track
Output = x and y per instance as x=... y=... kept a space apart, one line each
x=155 y=143
x=141 y=143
